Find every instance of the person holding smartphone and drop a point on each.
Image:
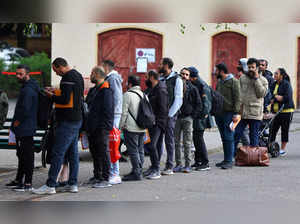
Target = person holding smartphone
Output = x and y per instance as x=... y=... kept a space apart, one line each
x=254 y=88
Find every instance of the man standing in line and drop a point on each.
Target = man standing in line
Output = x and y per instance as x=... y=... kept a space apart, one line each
x=175 y=98
x=229 y=88
x=24 y=125
x=68 y=110
x=3 y=107
x=115 y=82
x=99 y=124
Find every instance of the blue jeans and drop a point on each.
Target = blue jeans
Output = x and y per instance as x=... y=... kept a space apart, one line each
x=254 y=127
x=223 y=121
x=115 y=167
x=66 y=141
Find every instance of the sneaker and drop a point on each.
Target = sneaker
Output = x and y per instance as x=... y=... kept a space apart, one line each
x=132 y=177
x=187 y=169
x=147 y=172
x=92 y=180
x=154 y=175
x=12 y=184
x=220 y=164
x=23 y=188
x=102 y=184
x=115 y=180
x=44 y=190
x=167 y=172
x=177 y=169
x=203 y=167
x=196 y=164
x=283 y=152
x=226 y=165
x=71 y=188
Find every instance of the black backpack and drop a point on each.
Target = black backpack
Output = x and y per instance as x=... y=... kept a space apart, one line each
x=44 y=109
x=217 y=102
x=145 y=116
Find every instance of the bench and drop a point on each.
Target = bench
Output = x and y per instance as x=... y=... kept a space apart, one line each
x=5 y=132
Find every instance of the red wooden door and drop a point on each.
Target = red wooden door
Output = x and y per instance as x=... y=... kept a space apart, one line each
x=120 y=46
x=228 y=47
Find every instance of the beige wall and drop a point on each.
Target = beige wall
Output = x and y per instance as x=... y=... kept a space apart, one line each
x=275 y=42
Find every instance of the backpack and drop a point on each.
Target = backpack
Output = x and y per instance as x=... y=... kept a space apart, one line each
x=145 y=116
x=217 y=102
x=44 y=109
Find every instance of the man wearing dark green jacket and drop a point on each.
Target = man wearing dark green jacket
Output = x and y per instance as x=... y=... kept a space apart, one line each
x=229 y=88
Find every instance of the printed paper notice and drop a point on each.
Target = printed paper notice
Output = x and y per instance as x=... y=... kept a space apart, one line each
x=141 y=65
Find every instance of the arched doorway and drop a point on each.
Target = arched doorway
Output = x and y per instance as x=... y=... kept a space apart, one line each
x=122 y=47
x=228 y=47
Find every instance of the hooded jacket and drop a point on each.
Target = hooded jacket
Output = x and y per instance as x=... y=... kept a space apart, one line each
x=26 y=110
x=115 y=82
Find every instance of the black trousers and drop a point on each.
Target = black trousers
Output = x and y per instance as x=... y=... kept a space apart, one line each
x=283 y=120
x=98 y=143
x=155 y=146
x=200 y=147
x=25 y=154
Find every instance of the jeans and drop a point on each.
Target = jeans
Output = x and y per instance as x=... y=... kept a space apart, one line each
x=156 y=136
x=169 y=141
x=66 y=141
x=184 y=126
x=25 y=154
x=135 y=147
x=223 y=121
x=115 y=167
x=201 y=156
x=254 y=127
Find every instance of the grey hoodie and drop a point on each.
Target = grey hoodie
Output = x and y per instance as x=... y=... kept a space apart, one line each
x=115 y=82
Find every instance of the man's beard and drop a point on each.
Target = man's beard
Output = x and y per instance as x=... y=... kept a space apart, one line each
x=22 y=81
x=148 y=83
x=94 y=81
x=162 y=71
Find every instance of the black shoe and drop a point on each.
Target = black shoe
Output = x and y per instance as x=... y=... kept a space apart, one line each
x=195 y=165
x=226 y=165
x=147 y=172
x=12 y=184
x=203 y=167
x=220 y=164
x=132 y=177
x=23 y=188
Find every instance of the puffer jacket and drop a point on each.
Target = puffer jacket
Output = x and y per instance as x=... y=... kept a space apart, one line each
x=253 y=92
x=131 y=103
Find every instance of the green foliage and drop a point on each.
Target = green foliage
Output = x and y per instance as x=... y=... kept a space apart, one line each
x=37 y=62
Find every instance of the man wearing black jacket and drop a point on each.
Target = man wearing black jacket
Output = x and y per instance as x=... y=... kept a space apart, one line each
x=68 y=111
x=190 y=110
x=99 y=123
x=24 y=125
x=158 y=97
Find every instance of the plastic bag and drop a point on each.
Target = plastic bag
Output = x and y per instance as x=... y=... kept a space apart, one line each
x=114 y=143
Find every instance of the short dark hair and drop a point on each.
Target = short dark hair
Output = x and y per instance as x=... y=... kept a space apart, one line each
x=134 y=80
x=110 y=63
x=169 y=62
x=264 y=60
x=253 y=61
x=25 y=67
x=222 y=67
x=187 y=69
x=153 y=74
x=99 y=71
x=60 y=62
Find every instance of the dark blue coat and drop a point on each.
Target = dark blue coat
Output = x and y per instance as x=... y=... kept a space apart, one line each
x=285 y=90
x=26 y=110
x=101 y=109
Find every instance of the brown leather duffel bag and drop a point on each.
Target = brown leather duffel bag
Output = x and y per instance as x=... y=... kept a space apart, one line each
x=252 y=156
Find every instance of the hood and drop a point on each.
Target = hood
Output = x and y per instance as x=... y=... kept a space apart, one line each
x=114 y=74
x=244 y=64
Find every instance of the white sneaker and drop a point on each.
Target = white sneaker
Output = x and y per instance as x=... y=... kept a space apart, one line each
x=283 y=152
x=71 y=188
x=44 y=190
x=115 y=180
